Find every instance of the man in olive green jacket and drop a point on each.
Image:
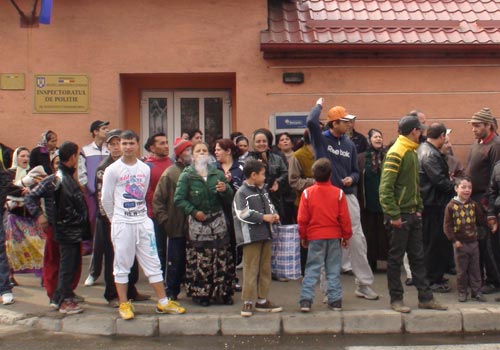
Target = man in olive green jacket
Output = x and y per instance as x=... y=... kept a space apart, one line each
x=401 y=202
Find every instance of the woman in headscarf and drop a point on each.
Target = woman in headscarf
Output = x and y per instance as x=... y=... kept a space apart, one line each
x=202 y=192
x=45 y=152
x=24 y=239
x=20 y=163
x=372 y=217
x=276 y=168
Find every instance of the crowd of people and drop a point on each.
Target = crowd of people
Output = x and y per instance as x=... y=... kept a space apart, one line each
x=191 y=220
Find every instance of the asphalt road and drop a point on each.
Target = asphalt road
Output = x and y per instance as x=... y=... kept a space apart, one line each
x=15 y=338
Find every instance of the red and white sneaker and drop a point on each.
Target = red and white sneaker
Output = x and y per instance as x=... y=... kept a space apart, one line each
x=70 y=307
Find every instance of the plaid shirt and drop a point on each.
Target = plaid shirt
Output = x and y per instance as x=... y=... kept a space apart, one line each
x=44 y=190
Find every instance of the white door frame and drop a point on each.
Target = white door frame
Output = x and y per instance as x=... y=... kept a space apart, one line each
x=174 y=111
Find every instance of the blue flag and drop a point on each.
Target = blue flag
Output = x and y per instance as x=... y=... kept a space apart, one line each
x=45 y=12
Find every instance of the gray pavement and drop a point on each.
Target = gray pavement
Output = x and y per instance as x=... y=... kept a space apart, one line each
x=359 y=316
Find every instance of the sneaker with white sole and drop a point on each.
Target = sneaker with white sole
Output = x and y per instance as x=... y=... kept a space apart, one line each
x=126 y=310
x=70 y=307
x=305 y=305
x=366 y=292
x=267 y=306
x=246 y=310
x=172 y=307
x=7 y=298
x=335 y=305
x=89 y=282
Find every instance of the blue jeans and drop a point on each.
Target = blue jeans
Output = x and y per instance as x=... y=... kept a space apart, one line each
x=323 y=252
x=4 y=263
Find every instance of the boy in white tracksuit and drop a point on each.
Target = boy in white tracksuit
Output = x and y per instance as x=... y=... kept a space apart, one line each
x=132 y=233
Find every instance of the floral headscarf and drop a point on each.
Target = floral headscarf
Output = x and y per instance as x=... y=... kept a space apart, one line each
x=43 y=144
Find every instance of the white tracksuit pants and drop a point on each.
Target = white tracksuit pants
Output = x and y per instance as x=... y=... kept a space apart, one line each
x=132 y=240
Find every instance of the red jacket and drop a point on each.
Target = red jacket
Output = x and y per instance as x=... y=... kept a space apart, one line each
x=157 y=166
x=323 y=213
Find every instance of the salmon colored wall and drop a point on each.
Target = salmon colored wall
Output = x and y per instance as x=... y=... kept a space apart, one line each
x=379 y=92
x=112 y=39
x=125 y=47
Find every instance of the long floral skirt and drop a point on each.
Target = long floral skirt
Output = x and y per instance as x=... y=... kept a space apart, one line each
x=24 y=243
x=209 y=271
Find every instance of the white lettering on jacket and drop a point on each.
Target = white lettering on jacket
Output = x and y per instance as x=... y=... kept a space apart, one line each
x=338 y=152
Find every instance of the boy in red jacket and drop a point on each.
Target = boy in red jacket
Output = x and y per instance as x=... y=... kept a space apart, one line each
x=324 y=226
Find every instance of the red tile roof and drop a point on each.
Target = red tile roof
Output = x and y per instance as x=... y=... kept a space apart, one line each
x=319 y=24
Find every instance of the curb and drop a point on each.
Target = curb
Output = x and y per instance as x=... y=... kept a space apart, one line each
x=455 y=321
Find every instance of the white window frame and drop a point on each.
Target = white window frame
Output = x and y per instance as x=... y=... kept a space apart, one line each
x=146 y=95
x=226 y=115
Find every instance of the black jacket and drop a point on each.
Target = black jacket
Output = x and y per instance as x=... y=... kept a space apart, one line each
x=7 y=156
x=7 y=187
x=71 y=214
x=494 y=191
x=436 y=187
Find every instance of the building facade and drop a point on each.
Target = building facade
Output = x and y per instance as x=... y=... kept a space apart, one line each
x=219 y=65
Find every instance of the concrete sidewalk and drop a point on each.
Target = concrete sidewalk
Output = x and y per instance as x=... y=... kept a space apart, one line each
x=359 y=316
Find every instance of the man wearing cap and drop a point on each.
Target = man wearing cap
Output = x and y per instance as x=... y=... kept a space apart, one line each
x=341 y=151
x=359 y=139
x=172 y=219
x=436 y=189
x=157 y=160
x=401 y=202
x=102 y=236
x=483 y=155
x=90 y=157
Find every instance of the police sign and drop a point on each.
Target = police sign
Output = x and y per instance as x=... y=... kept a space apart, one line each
x=57 y=93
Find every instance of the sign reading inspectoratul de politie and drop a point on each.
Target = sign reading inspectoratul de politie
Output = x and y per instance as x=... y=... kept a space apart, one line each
x=57 y=93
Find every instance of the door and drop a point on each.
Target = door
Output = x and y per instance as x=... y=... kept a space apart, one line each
x=157 y=115
x=177 y=111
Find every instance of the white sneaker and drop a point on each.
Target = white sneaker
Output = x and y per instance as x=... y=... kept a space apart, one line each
x=366 y=292
x=239 y=266
x=89 y=282
x=8 y=298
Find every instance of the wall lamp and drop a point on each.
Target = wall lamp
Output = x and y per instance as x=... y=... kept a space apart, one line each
x=293 y=78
